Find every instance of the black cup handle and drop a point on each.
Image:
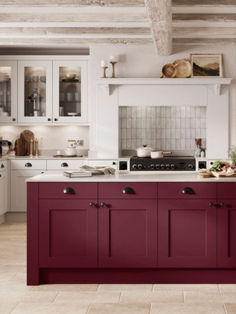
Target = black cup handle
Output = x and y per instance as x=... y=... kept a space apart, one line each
x=128 y=190
x=188 y=190
x=68 y=190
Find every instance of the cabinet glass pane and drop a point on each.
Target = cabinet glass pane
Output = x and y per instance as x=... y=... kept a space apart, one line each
x=5 y=91
x=35 y=91
x=70 y=91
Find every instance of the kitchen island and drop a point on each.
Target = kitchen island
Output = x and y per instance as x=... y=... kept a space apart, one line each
x=131 y=228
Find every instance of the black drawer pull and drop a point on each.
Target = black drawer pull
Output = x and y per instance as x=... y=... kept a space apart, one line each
x=2 y=166
x=103 y=204
x=28 y=165
x=222 y=205
x=188 y=190
x=211 y=204
x=92 y=204
x=64 y=164
x=68 y=190
x=128 y=190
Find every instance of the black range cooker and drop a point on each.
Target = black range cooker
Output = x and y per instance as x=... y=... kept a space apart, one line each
x=170 y=163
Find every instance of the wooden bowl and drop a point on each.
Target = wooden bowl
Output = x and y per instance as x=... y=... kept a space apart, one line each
x=183 y=68
x=169 y=70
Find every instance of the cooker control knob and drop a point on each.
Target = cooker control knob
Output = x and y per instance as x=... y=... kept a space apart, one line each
x=190 y=166
x=157 y=166
x=162 y=166
x=152 y=166
x=134 y=167
x=172 y=166
x=140 y=166
x=167 y=166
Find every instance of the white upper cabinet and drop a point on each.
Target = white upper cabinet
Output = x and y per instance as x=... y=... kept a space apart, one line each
x=8 y=91
x=70 y=91
x=34 y=91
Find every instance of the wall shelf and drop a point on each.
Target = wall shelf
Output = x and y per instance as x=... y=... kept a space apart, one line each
x=216 y=83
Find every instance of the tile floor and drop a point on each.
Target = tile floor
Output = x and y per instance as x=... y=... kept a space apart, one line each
x=17 y=298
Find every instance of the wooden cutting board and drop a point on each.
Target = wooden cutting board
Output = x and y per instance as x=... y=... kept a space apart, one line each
x=19 y=147
x=26 y=136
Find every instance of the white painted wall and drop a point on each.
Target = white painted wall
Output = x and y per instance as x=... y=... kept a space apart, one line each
x=142 y=61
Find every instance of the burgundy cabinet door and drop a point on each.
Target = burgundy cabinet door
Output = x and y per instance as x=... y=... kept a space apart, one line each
x=226 y=233
x=128 y=233
x=186 y=233
x=67 y=233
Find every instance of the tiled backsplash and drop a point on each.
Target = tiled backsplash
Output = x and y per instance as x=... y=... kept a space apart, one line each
x=162 y=127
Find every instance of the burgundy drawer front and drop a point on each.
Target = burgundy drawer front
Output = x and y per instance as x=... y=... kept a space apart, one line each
x=226 y=190
x=67 y=190
x=187 y=190
x=127 y=190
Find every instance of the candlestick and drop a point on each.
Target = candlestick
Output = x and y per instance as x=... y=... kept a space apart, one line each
x=31 y=148
x=113 y=63
x=36 y=152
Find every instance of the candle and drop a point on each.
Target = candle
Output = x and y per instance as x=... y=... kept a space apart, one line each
x=114 y=58
x=103 y=63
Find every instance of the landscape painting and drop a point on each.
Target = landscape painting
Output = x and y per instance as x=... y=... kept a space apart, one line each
x=206 y=65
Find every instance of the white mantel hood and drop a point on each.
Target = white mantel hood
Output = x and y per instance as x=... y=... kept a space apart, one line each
x=210 y=92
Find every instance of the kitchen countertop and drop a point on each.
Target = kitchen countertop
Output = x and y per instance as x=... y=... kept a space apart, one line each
x=131 y=177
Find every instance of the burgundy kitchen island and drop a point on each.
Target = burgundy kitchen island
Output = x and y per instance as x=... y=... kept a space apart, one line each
x=139 y=228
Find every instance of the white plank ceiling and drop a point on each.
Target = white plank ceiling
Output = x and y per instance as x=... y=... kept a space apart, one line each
x=77 y=23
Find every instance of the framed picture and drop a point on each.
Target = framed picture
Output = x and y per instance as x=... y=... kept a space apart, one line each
x=206 y=65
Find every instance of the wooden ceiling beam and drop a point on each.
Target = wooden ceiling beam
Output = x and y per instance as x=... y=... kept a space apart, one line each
x=160 y=17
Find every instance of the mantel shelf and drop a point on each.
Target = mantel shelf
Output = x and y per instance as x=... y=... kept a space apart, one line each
x=215 y=82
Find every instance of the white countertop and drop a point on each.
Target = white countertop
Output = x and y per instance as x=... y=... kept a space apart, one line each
x=131 y=177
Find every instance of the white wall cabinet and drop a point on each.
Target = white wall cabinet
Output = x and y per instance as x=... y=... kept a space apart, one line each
x=19 y=188
x=43 y=90
x=8 y=91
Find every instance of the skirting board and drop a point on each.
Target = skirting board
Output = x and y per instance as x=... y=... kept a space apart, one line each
x=2 y=219
x=128 y=276
x=15 y=217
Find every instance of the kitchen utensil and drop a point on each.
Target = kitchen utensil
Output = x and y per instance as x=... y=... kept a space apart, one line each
x=169 y=70
x=70 y=76
x=183 y=68
x=4 y=147
x=144 y=151
x=156 y=154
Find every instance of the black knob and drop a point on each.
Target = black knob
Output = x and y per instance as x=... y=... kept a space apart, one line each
x=55 y=119
x=92 y=204
x=222 y=205
x=152 y=166
x=68 y=190
x=0 y=175
x=128 y=190
x=103 y=204
x=114 y=163
x=64 y=164
x=167 y=166
x=211 y=204
x=188 y=190
x=2 y=166
x=28 y=165
x=157 y=166
x=172 y=166
x=134 y=166
x=13 y=119
x=140 y=166
x=49 y=119
x=42 y=172
x=190 y=166
x=162 y=166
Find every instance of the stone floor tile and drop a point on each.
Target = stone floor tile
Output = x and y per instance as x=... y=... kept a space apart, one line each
x=208 y=298
x=125 y=287
x=152 y=297
x=186 y=309
x=187 y=287
x=227 y=288
x=39 y=308
x=119 y=309
x=39 y=296
x=7 y=307
x=87 y=297
x=230 y=308
x=63 y=287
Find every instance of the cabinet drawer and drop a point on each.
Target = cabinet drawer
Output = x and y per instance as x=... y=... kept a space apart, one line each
x=187 y=190
x=64 y=164
x=29 y=164
x=127 y=190
x=66 y=190
x=226 y=190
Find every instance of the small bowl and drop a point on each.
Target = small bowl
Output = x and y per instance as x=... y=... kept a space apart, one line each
x=157 y=154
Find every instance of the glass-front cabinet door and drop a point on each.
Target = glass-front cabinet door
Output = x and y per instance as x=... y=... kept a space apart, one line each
x=35 y=91
x=8 y=91
x=70 y=91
